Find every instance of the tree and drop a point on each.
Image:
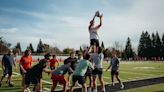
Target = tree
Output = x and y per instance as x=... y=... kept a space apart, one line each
x=141 y=45
x=158 y=45
x=54 y=50
x=18 y=47
x=4 y=46
x=153 y=46
x=31 y=48
x=67 y=50
x=102 y=45
x=40 y=47
x=128 y=52
x=162 y=54
x=81 y=49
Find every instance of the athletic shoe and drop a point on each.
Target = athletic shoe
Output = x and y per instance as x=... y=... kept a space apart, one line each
x=122 y=86
x=103 y=89
x=89 y=89
x=112 y=84
x=94 y=90
x=0 y=84
x=11 y=85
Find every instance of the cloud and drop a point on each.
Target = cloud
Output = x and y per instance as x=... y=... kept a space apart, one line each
x=70 y=28
x=8 y=30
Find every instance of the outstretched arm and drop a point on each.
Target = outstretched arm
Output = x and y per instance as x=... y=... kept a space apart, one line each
x=98 y=26
x=108 y=67
x=91 y=22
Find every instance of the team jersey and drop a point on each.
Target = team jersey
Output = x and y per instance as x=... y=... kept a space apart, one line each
x=73 y=62
x=26 y=61
x=8 y=60
x=114 y=63
x=62 y=70
x=81 y=67
x=53 y=62
x=93 y=34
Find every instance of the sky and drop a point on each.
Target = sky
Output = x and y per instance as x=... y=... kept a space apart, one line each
x=64 y=23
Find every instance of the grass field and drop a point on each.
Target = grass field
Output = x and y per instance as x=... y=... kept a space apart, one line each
x=128 y=71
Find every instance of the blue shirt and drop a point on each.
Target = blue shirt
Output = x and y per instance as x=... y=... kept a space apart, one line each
x=8 y=60
x=114 y=63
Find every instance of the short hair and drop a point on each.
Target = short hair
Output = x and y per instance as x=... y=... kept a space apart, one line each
x=43 y=62
x=100 y=50
x=47 y=55
x=87 y=56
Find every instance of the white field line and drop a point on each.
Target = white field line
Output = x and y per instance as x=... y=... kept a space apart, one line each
x=16 y=73
x=136 y=73
x=50 y=83
x=105 y=77
x=48 y=89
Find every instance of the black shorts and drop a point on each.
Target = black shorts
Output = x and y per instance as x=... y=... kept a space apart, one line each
x=97 y=71
x=94 y=42
x=80 y=79
x=89 y=72
x=8 y=71
x=33 y=80
x=52 y=67
x=21 y=72
x=114 y=72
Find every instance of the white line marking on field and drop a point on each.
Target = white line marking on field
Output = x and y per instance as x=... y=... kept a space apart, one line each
x=16 y=73
x=47 y=82
x=47 y=89
x=50 y=83
x=105 y=77
x=136 y=73
x=143 y=68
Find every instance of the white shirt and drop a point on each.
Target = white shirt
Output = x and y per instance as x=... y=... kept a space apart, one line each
x=93 y=34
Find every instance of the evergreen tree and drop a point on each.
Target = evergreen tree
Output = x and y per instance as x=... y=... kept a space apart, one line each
x=147 y=46
x=128 y=49
x=162 y=54
x=40 y=47
x=141 y=45
x=81 y=50
x=4 y=46
x=102 y=45
x=17 y=48
x=31 y=48
x=153 y=46
x=158 y=45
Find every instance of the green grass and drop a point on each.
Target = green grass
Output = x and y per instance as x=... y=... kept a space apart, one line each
x=128 y=71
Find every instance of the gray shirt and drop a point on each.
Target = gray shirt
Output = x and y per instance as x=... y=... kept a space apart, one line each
x=97 y=59
x=114 y=63
x=8 y=60
x=62 y=70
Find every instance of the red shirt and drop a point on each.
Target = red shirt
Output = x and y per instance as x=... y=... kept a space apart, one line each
x=53 y=61
x=26 y=61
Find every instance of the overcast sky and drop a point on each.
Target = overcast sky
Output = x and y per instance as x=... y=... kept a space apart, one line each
x=64 y=23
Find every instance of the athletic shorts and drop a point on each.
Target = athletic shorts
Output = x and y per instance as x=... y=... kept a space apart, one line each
x=60 y=79
x=52 y=67
x=94 y=41
x=89 y=72
x=97 y=71
x=22 y=71
x=8 y=71
x=33 y=80
x=80 y=79
x=113 y=72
